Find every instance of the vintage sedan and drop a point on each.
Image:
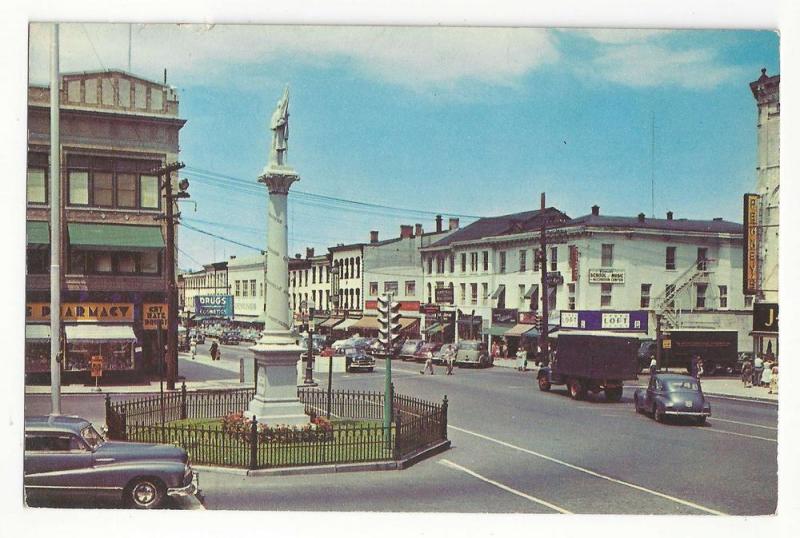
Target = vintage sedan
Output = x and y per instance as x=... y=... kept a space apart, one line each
x=358 y=359
x=672 y=395
x=66 y=458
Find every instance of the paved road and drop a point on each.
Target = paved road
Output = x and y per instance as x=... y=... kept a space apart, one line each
x=516 y=449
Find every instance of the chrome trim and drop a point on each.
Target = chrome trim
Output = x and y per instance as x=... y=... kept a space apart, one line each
x=113 y=488
x=691 y=413
x=184 y=491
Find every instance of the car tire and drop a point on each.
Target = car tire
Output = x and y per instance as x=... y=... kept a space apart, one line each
x=544 y=384
x=576 y=390
x=145 y=493
x=613 y=395
x=658 y=414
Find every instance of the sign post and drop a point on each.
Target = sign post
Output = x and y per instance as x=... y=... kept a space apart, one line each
x=96 y=365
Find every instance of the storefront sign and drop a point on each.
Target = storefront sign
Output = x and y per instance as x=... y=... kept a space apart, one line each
x=96 y=366
x=82 y=312
x=528 y=318
x=153 y=315
x=218 y=306
x=606 y=276
x=750 y=250
x=444 y=295
x=429 y=309
x=666 y=343
x=554 y=278
x=504 y=315
x=573 y=262
x=406 y=306
x=765 y=317
x=599 y=320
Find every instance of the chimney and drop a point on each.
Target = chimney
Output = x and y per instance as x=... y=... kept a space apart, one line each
x=373 y=236
x=438 y=223
x=595 y=210
x=641 y=217
x=453 y=223
x=297 y=256
x=406 y=231
x=309 y=252
x=418 y=229
x=669 y=215
x=717 y=219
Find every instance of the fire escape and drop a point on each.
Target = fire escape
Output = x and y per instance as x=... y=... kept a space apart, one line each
x=666 y=311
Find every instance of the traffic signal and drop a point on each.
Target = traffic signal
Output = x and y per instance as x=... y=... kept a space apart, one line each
x=388 y=315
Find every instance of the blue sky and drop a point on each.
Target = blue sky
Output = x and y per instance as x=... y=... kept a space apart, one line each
x=462 y=122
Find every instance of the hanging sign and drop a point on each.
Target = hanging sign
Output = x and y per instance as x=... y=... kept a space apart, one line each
x=154 y=314
x=750 y=250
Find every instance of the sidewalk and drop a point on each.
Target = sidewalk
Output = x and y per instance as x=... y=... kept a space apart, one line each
x=712 y=386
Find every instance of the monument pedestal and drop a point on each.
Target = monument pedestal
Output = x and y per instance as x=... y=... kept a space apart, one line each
x=275 y=401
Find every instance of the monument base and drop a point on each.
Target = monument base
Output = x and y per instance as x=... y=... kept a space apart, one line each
x=278 y=412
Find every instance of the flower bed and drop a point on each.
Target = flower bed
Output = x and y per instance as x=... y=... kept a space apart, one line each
x=239 y=426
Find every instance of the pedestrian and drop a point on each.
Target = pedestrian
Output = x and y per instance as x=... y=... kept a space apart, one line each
x=773 y=381
x=193 y=347
x=653 y=366
x=758 y=369
x=504 y=350
x=766 y=376
x=449 y=359
x=700 y=369
x=521 y=359
x=693 y=366
x=428 y=364
x=495 y=349
x=747 y=374
x=214 y=350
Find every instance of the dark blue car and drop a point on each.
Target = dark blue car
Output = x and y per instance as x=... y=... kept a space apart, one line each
x=672 y=395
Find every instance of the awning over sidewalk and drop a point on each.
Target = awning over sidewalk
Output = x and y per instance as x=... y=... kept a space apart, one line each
x=498 y=329
x=90 y=332
x=330 y=322
x=367 y=322
x=37 y=333
x=519 y=329
x=434 y=329
x=115 y=236
x=405 y=323
x=346 y=324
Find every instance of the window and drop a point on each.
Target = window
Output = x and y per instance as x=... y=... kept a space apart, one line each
x=607 y=256
x=260 y=289
x=463 y=294
x=701 y=295
x=49 y=442
x=452 y=263
x=605 y=295
x=723 y=296
x=149 y=262
x=502 y=262
x=537 y=257
x=430 y=300
x=411 y=288
x=748 y=301
x=463 y=262
x=253 y=288
x=103 y=189
x=313 y=275
x=474 y=291
x=126 y=263
x=238 y=288
x=485 y=294
x=373 y=288
x=126 y=190
x=439 y=264
x=100 y=262
x=571 y=296
x=473 y=261
x=244 y=288
x=149 y=196
x=430 y=265
x=38 y=261
x=669 y=295
x=554 y=258
x=644 y=302
x=37 y=186
x=702 y=256
x=390 y=287
x=523 y=261
x=78 y=187
x=485 y=260
x=670 y=261
x=521 y=301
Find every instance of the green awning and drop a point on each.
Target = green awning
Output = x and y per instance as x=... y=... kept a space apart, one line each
x=435 y=328
x=498 y=329
x=115 y=236
x=38 y=232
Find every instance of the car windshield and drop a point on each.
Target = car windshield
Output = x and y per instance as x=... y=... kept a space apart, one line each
x=683 y=385
x=91 y=437
x=468 y=345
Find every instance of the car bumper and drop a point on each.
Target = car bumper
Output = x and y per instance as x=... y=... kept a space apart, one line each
x=361 y=366
x=190 y=489
x=687 y=413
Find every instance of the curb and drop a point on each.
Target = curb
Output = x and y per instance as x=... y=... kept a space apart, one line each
x=741 y=398
x=391 y=465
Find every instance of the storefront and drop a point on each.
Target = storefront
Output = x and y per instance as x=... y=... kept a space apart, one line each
x=113 y=343
x=37 y=348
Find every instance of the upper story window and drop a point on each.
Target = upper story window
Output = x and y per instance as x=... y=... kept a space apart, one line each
x=723 y=296
x=86 y=262
x=644 y=301
x=452 y=263
x=701 y=295
x=605 y=295
x=113 y=183
x=37 y=185
x=430 y=264
x=485 y=260
x=411 y=288
x=502 y=262
x=440 y=264
x=523 y=262
x=463 y=262
x=473 y=261
x=554 y=258
x=607 y=256
x=390 y=287
x=537 y=259
x=670 y=258
x=373 y=288
x=702 y=258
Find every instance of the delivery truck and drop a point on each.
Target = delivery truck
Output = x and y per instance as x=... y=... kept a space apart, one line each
x=719 y=350
x=591 y=361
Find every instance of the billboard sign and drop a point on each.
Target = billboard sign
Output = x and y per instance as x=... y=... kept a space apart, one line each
x=153 y=315
x=82 y=312
x=602 y=320
x=750 y=251
x=504 y=315
x=215 y=306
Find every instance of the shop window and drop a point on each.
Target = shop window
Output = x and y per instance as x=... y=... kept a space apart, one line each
x=126 y=190
x=37 y=186
x=670 y=258
x=149 y=196
x=103 y=189
x=645 y=298
x=78 y=187
x=116 y=355
x=38 y=261
x=37 y=356
x=411 y=288
x=605 y=295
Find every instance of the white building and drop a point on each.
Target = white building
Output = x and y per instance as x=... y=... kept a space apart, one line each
x=247 y=277
x=310 y=280
x=212 y=279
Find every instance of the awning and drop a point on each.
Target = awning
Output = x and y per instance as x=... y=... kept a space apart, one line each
x=346 y=324
x=367 y=322
x=531 y=291
x=330 y=322
x=37 y=232
x=535 y=333
x=500 y=289
x=405 y=323
x=467 y=320
x=498 y=329
x=115 y=236
x=90 y=332
x=37 y=333
x=435 y=328
x=519 y=329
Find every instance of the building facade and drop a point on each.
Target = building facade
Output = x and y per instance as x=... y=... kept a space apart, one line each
x=247 y=279
x=116 y=130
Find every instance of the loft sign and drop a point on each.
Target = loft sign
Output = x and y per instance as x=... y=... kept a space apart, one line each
x=599 y=320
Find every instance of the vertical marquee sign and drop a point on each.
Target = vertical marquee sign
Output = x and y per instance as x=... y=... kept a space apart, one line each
x=750 y=272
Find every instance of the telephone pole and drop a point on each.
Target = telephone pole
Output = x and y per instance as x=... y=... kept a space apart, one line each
x=543 y=343
x=165 y=179
x=55 y=227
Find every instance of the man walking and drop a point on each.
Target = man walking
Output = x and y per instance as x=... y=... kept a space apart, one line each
x=653 y=366
x=428 y=364
x=758 y=369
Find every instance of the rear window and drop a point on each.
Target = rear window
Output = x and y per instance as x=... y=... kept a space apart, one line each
x=683 y=385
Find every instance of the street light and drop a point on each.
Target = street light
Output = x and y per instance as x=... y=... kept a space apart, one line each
x=309 y=380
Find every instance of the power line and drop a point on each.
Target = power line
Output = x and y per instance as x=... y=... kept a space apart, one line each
x=190 y=227
x=83 y=27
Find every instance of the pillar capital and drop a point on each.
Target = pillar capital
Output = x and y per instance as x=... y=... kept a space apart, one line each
x=278 y=180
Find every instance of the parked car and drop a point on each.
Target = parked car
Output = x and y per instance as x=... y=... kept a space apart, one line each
x=65 y=457
x=410 y=347
x=473 y=353
x=358 y=359
x=426 y=350
x=438 y=355
x=672 y=395
x=230 y=337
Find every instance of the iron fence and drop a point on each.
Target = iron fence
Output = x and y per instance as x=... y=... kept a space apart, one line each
x=356 y=434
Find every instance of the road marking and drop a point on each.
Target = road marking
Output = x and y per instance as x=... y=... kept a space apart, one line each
x=593 y=473
x=715 y=430
x=504 y=487
x=745 y=423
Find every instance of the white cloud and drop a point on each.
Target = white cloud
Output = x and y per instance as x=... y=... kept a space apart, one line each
x=621 y=36
x=415 y=57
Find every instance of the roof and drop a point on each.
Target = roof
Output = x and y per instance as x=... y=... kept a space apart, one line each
x=674 y=377
x=56 y=423
x=338 y=248
x=527 y=221
x=670 y=225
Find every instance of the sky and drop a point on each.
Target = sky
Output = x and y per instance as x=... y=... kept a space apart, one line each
x=393 y=125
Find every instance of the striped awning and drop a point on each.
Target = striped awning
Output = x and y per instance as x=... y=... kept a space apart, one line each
x=346 y=324
x=434 y=329
x=405 y=323
x=498 y=329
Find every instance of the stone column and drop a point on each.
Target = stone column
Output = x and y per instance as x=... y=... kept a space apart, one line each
x=276 y=353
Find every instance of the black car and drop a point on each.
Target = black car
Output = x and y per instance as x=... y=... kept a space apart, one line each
x=358 y=359
x=231 y=338
x=673 y=395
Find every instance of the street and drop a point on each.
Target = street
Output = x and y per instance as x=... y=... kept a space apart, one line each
x=516 y=449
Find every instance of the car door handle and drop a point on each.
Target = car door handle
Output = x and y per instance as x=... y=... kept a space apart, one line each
x=104 y=460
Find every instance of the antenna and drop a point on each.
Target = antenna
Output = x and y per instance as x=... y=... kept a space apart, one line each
x=653 y=164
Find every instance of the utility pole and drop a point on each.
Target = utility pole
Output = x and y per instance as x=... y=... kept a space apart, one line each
x=543 y=343
x=55 y=227
x=165 y=179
